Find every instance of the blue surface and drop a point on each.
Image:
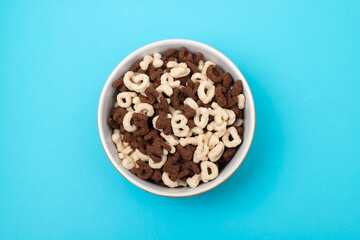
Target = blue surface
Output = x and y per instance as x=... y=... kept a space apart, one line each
x=301 y=178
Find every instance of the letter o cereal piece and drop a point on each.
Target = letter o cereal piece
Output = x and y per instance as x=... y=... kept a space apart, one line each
x=206 y=96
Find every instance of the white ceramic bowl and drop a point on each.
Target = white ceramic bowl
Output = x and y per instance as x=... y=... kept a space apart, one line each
x=107 y=100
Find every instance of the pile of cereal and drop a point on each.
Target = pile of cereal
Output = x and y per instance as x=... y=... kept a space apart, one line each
x=177 y=119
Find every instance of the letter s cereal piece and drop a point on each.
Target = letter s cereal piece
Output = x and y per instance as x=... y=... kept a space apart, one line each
x=227 y=81
x=220 y=97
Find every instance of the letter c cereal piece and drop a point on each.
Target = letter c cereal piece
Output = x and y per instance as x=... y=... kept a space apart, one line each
x=206 y=65
x=127 y=122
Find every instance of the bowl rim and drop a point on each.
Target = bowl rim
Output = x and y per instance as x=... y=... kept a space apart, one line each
x=233 y=66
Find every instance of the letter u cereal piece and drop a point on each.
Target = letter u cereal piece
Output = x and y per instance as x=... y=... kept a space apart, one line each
x=202 y=117
x=167 y=181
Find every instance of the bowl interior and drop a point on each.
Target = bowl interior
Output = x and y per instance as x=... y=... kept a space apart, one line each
x=107 y=100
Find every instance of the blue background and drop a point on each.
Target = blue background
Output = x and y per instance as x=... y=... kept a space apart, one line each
x=301 y=178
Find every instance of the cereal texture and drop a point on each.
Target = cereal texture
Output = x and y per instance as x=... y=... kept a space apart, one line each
x=177 y=119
